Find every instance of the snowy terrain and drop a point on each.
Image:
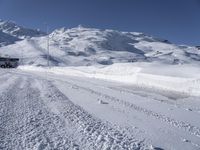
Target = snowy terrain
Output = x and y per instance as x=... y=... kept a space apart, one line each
x=87 y=47
x=48 y=111
x=10 y=32
x=104 y=89
x=148 y=75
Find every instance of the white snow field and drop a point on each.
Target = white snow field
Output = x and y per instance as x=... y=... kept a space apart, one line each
x=103 y=90
x=43 y=110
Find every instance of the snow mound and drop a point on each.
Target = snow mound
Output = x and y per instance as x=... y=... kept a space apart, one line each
x=142 y=75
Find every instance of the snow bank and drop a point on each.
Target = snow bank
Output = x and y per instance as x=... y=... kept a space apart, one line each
x=179 y=78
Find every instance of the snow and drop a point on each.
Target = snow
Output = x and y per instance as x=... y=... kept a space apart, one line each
x=15 y=30
x=6 y=39
x=104 y=89
x=54 y=111
x=10 y=33
x=183 y=79
x=88 y=46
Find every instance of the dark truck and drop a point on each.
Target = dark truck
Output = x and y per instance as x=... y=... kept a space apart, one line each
x=9 y=62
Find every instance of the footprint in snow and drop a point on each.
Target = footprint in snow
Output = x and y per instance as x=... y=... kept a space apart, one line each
x=102 y=102
x=188 y=109
x=155 y=148
x=185 y=140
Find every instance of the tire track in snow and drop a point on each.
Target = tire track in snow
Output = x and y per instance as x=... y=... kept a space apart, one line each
x=136 y=108
x=4 y=71
x=6 y=118
x=44 y=128
x=101 y=141
x=163 y=98
x=5 y=81
x=25 y=122
x=90 y=130
x=194 y=130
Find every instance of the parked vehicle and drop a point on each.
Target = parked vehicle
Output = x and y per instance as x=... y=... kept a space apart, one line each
x=9 y=62
x=198 y=47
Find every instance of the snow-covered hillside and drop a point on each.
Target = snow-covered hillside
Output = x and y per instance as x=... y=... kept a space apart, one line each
x=10 y=32
x=6 y=39
x=18 y=31
x=88 y=46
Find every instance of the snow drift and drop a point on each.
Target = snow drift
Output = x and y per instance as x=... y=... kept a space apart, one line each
x=171 y=78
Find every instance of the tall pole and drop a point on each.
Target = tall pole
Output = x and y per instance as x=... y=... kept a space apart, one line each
x=22 y=61
x=47 y=30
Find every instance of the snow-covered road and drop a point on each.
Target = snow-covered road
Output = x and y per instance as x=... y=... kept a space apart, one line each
x=46 y=111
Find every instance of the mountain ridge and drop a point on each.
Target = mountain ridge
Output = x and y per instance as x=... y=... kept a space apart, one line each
x=90 y=46
x=10 y=30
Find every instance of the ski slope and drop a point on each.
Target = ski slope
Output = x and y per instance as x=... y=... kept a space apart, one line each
x=51 y=111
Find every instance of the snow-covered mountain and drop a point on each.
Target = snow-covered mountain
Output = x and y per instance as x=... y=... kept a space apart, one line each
x=21 y=32
x=88 y=46
x=6 y=39
x=10 y=32
x=109 y=46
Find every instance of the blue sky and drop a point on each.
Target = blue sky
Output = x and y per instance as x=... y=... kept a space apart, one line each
x=175 y=20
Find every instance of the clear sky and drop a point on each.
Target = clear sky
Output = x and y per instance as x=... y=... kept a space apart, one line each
x=175 y=20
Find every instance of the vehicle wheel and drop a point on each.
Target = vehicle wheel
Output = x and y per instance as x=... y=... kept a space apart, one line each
x=8 y=66
x=2 y=66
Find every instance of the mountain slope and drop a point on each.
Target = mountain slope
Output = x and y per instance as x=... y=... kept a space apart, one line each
x=13 y=29
x=87 y=46
x=6 y=39
x=10 y=32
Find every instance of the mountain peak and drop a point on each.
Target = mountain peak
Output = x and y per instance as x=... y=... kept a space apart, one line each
x=10 y=32
x=11 y=28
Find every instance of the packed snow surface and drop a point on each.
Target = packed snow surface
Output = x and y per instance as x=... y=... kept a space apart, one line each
x=43 y=110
